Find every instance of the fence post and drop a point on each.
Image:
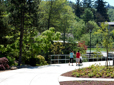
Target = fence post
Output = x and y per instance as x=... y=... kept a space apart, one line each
x=58 y=59
x=65 y=58
x=51 y=59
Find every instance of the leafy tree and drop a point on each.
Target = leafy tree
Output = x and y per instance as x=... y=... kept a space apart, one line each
x=111 y=14
x=107 y=39
x=90 y=25
x=78 y=29
x=57 y=48
x=46 y=39
x=46 y=14
x=88 y=15
x=82 y=47
x=67 y=18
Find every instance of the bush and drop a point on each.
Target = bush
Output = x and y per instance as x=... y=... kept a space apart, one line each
x=11 y=61
x=91 y=75
x=38 y=61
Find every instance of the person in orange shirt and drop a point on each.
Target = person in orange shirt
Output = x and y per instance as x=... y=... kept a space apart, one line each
x=78 y=58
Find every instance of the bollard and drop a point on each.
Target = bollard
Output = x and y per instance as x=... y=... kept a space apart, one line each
x=113 y=61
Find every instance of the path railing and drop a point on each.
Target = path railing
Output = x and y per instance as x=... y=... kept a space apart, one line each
x=64 y=58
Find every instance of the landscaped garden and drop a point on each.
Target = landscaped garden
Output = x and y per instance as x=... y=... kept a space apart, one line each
x=93 y=71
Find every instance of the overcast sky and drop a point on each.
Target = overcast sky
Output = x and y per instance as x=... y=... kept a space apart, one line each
x=111 y=2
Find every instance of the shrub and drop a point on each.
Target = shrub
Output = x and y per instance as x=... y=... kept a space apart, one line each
x=112 y=76
x=38 y=61
x=77 y=75
x=107 y=75
x=41 y=60
x=97 y=75
x=91 y=75
x=73 y=74
x=11 y=61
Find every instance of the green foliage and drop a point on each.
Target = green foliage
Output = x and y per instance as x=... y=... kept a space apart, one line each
x=40 y=60
x=57 y=48
x=91 y=75
x=46 y=38
x=40 y=21
x=88 y=15
x=4 y=27
x=77 y=74
x=78 y=29
x=37 y=61
x=101 y=9
x=107 y=39
x=111 y=14
x=11 y=61
x=91 y=71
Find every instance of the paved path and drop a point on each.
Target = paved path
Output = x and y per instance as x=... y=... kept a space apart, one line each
x=43 y=75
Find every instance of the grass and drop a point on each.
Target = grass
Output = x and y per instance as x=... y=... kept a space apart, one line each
x=101 y=49
x=92 y=72
x=94 y=49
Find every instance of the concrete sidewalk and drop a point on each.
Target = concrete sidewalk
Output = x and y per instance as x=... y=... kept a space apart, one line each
x=42 y=75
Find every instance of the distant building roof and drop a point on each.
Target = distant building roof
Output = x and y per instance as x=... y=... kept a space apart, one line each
x=110 y=23
x=61 y=41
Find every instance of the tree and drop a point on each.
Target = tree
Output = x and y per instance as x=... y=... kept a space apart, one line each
x=46 y=14
x=20 y=17
x=107 y=39
x=57 y=48
x=111 y=14
x=78 y=29
x=87 y=3
x=77 y=9
x=82 y=47
x=88 y=15
x=67 y=18
x=102 y=11
x=46 y=39
x=4 y=29
x=57 y=14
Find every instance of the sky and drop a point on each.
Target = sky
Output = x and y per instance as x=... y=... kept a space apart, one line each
x=111 y=2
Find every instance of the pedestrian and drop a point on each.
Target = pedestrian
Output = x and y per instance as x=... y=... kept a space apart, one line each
x=78 y=58
x=71 y=57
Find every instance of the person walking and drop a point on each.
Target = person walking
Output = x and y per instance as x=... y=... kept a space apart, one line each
x=78 y=58
x=71 y=57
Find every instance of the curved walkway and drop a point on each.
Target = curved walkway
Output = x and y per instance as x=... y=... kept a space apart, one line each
x=42 y=75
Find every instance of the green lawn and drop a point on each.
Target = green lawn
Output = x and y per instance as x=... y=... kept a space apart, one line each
x=94 y=49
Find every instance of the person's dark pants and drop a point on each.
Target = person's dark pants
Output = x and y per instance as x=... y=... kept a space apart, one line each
x=71 y=60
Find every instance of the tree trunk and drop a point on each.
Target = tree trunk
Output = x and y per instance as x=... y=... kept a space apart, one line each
x=50 y=11
x=21 y=36
x=107 y=58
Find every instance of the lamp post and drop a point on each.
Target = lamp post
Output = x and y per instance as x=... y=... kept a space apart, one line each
x=90 y=41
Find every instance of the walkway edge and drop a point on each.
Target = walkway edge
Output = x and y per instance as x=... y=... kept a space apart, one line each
x=63 y=78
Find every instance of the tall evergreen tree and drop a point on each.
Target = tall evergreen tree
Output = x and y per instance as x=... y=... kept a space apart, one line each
x=77 y=9
x=87 y=3
x=21 y=17
x=4 y=29
x=102 y=11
